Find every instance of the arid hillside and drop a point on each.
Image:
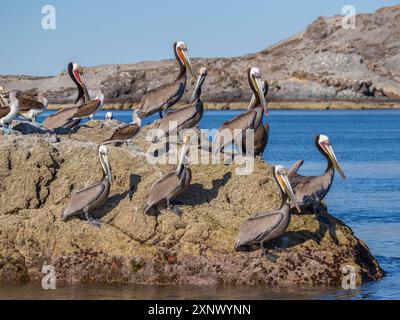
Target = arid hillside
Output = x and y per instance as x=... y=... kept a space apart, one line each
x=322 y=63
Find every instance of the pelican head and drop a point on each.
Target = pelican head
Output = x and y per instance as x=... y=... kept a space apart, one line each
x=183 y=158
x=183 y=55
x=103 y=155
x=109 y=115
x=255 y=82
x=283 y=182
x=75 y=71
x=324 y=144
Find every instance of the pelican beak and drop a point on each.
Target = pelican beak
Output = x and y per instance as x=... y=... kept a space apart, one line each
x=183 y=155
x=188 y=63
x=252 y=102
x=335 y=162
x=259 y=88
x=199 y=83
x=107 y=163
x=83 y=84
x=284 y=181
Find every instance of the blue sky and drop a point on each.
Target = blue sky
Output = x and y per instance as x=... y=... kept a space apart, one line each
x=94 y=32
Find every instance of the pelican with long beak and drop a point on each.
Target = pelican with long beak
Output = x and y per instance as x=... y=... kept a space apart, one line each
x=311 y=190
x=93 y=197
x=265 y=226
x=127 y=132
x=187 y=117
x=84 y=107
x=172 y=184
x=32 y=105
x=261 y=133
x=164 y=97
x=7 y=114
x=248 y=120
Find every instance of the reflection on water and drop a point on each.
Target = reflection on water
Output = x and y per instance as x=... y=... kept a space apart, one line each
x=167 y=292
x=367 y=144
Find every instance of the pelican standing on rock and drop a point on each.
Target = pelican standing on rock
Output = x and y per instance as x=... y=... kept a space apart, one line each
x=84 y=106
x=266 y=226
x=31 y=105
x=187 y=117
x=171 y=184
x=261 y=133
x=251 y=119
x=127 y=132
x=310 y=191
x=7 y=114
x=164 y=97
x=93 y=197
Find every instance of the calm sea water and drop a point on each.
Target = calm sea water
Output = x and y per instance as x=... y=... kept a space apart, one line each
x=367 y=144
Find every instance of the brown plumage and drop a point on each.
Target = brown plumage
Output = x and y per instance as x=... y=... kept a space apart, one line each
x=164 y=97
x=265 y=226
x=311 y=190
x=93 y=197
x=261 y=133
x=128 y=131
x=250 y=119
x=187 y=117
x=84 y=107
x=171 y=185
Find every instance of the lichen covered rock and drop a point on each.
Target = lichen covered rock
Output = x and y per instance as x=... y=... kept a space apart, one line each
x=38 y=173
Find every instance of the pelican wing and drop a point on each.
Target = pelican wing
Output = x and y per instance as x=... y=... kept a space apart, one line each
x=294 y=169
x=243 y=121
x=310 y=189
x=162 y=97
x=162 y=188
x=4 y=111
x=87 y=109
x=125 y=132
x=257 y=228
x=84 y=197
x=28 y=102
x=59 y=119
x=180 y=116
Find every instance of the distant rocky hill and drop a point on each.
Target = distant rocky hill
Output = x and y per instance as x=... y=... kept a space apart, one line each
x=324 y=62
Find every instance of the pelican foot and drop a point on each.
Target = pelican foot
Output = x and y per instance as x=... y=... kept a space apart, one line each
x=270 y=256
x=176 y=210
x=93 y=221
x=8 y=131
x=133 y=147
x=37 y=124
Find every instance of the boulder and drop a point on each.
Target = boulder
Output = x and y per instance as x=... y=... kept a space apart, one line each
x=38 y=175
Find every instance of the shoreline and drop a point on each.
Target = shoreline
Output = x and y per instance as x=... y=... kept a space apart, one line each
x=273 y=105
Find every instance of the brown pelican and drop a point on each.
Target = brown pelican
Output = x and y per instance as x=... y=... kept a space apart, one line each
x=310 y=191
x=7 y=114
x=166 y=96
x=31 y=105
x=265 y=226
x=187 y=117
x=93 y=197
x=127 y=132
x=84 y=106
x=261 y=133
x=171 y=184
x=249 y=119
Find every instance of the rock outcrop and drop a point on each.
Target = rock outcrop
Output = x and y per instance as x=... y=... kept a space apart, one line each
x=324 y=62
x=38 y=172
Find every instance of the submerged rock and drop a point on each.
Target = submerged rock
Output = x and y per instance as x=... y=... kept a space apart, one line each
x=37 y=177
